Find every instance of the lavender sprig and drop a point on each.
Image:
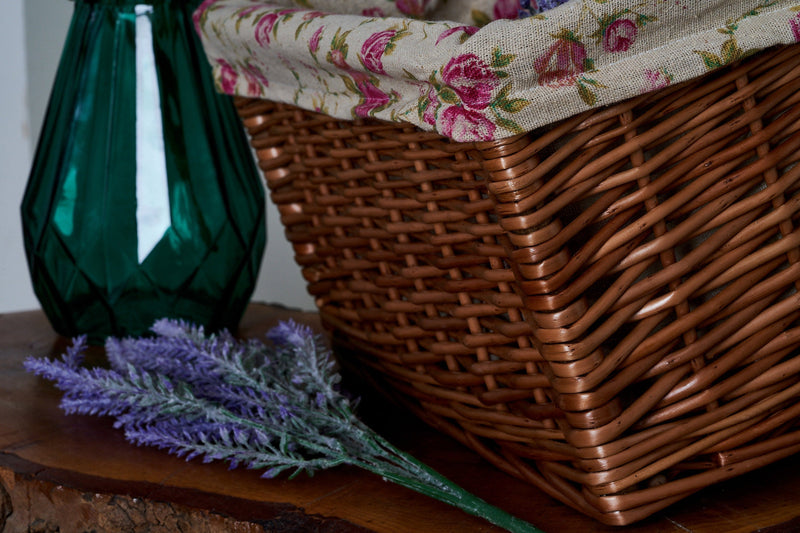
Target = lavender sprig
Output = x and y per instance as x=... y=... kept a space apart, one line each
x=267 y=407
x=529 y=8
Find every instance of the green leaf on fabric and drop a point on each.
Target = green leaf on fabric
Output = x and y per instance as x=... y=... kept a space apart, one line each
x=514 y=105
x=350 y=84
x=593 y=83
x=710 y=59
x=731 y=51
x=480 y=18
x=509 y=124
x=409 y=75
x=503 y=93
x=500 y=60
x=587 y=95
x=642 y=19
x=449 y=96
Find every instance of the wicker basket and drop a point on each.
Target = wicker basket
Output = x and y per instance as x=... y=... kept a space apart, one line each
x=606 y=308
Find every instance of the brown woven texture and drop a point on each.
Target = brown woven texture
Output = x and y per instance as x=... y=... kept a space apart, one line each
x=606 y=308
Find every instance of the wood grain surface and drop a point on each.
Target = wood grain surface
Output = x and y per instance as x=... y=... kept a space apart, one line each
x=75 y=473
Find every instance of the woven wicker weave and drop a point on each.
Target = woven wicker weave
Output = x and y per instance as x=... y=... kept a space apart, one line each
x=607 y=308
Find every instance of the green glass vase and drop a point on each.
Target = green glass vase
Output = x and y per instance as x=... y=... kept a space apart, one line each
x=144 y=200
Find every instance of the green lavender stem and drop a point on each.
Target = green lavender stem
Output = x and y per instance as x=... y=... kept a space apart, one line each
x=421 y=478
x=401 y=468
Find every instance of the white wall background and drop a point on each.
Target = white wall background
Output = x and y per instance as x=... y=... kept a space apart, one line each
x=33 y=32
x=15 y=154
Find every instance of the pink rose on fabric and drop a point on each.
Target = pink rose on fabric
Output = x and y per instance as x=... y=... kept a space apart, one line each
x=373 y=49
x=256 y=80
x=373 y=12
x=227 y=76
x=471 y=79
x=336 y=56
x=373 y=98
x=253 y=87
x=564 y=61
x=794 y=24
x=199 y=12
x=657 y=79
x=506 y=9
x=264 y=28
x=463 y=125
x=415 y=8
x=244 y=12
x=308 y=16
x=313 y=43
x=266 y=23
x=469 y=30
x=359 y=77
x=428 y=104
x=619 y=35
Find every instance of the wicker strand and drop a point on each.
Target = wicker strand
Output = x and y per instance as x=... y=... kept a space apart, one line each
x=607 y=308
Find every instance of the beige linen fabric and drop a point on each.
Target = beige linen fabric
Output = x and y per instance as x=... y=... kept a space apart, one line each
x=428 y=63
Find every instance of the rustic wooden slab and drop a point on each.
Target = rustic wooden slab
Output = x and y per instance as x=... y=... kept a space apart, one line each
x=76 y=473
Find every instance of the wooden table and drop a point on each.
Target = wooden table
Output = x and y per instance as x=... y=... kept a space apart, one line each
x=75 y=473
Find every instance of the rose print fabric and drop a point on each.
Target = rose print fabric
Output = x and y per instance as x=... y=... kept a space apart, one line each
x=477 y=69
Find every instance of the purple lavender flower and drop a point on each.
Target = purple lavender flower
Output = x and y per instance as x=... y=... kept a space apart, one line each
x=534 y=7
x=292 y=333
x=166 y=327
x=216 y=398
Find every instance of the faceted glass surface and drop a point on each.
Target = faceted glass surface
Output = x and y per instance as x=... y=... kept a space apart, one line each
x=144 y=200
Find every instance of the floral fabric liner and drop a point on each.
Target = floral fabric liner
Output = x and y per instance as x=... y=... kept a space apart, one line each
x=472 y=70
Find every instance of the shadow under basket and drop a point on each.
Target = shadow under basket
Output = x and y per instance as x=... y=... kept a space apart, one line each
x=607 y=308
